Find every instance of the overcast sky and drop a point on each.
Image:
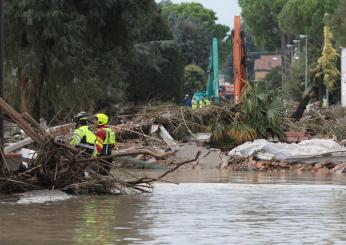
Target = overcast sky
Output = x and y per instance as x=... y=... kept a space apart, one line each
x=225 y=9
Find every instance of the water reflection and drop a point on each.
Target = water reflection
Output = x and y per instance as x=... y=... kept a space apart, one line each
x=111 y=220
x=96 y=222
x=242 y=208
x=82 y=220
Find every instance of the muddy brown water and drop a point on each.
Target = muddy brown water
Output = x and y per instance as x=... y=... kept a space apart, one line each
x=214 y=207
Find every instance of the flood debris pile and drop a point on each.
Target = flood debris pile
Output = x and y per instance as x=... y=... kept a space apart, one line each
x=321 y=123
x=226 y=126
x=259 y=114
x=316 y=155
x=253 y=164
x=185 y=124
x=58 y=166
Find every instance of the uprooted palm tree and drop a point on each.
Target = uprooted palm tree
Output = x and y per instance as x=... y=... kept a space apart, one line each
x=261 y=114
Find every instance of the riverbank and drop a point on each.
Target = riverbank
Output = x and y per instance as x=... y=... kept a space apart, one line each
x=317 y=125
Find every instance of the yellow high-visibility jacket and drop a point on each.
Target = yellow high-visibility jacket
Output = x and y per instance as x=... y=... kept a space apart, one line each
x=83 y=138
x=194 y=105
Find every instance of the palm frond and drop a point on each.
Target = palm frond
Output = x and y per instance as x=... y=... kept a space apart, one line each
x=241 y=132
x=263 y=109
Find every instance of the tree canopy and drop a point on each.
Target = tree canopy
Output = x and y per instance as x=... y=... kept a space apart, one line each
x=306 y=17
x=261 y=17
x=79 y=54
x=275 y=24
x=268 y=20
x=193 y=27
x=194 y=79
x=338 y=22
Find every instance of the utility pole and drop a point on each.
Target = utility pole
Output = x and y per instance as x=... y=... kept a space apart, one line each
x=306 y=63
x=306 y=59
x=1 y=78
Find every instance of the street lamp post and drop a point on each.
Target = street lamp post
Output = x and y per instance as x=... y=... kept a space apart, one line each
x=306 y=59
x=290 y=47
x=297 y=45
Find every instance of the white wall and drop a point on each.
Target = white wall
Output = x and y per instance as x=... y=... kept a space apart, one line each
x=343 y=77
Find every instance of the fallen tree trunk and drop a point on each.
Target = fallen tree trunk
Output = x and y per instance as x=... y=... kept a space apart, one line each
x=35 y=135
x=298 y=113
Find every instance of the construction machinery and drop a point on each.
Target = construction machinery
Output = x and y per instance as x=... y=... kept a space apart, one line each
x=239 y=59
x=212 y=92
x=239 y=66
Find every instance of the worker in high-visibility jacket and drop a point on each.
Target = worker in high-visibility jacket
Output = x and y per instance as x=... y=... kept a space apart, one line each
x=105 y=140
x=83 y=138
x=207 y=102
x=105 y=136
x=194 y=103
x=202 y=103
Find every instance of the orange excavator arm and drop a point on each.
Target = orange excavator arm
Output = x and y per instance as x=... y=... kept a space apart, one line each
x=239 y=59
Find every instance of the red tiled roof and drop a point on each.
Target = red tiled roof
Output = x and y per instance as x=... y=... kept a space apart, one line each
x=268 y=62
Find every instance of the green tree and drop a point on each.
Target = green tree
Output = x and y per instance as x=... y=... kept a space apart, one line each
x=261 y=114
x=275 y=23
x=157 y=69
x=338 y=22
x=65 y=52
x=274 y=77
x=157 y=72
x=193 y=27
x=152 y=26
x=74 y=55
x=261 y=17
x=295 y=80
x=306 y=17
x=194 y=79
x=195 y=11
x=327 y=63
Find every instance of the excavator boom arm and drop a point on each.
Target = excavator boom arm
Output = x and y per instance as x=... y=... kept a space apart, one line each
x=239 y=59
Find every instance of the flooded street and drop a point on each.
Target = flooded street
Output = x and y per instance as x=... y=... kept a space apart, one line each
x=213 y=208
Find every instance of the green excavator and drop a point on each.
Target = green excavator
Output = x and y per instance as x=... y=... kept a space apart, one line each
x=212 y=92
